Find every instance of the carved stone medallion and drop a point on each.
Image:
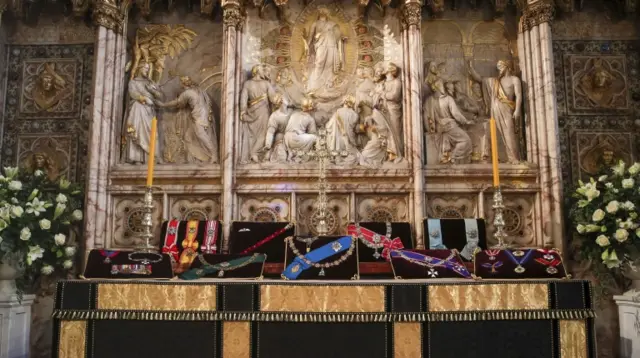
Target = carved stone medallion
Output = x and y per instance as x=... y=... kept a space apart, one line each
x=48 y=88
x=54 y=154
x=264 y=208
x=597 y=83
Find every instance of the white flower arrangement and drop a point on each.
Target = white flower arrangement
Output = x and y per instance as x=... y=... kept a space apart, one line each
x=605 y=216
x=37 y=217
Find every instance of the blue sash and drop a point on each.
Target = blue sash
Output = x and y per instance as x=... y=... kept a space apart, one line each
x=298 y=265
x=473 y=237
x=435 y=234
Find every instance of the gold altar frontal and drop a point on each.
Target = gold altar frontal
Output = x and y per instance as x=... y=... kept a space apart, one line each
x=387 y=318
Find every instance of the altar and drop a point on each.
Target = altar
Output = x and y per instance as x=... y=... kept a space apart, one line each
x=378 y=319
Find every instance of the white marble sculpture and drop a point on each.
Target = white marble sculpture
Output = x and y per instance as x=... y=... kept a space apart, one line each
x=300 y=134
x=195 y=113
x=341 y=132
x=140 y=111
x=325 y=44
x=277 y=151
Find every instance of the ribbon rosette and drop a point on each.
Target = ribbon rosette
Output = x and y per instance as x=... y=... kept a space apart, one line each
x=383 y=241
x=395 y=244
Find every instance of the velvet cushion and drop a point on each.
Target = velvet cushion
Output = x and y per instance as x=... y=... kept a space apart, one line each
x=182 y=234
x=403 y=268
x=244 y=234
x=252 y=270
x=400 y=230
x=454 y=234
x=498 y=264
x=347 y=270
x=97 y=268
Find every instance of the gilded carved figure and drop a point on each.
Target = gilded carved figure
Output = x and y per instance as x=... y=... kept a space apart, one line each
x=143 y=94
x=600 y=84
x=42 y=161
x=503 y=98
x=195 y=114
x=49 y=88
x=255 y=98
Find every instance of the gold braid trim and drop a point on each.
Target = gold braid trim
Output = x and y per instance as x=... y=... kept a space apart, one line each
x=579 y=314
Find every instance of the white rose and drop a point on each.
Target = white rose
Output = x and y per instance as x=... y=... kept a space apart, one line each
x=70 y=251
x=603 y=178
x=14 y=201
x=581 y=229
x=627 y=205
x=627 y=183
x=77 y=215
x=598 y=215
x=45 y=224
x=609 y=185
x=38 y=173
x=613 y=207
x=61 y=198
x=15 y=185
x=59 y=239
x=16 y=211
x=67 y=264
x=25 y=234
x=634 y=169
x=602 y=240
x=46 y=270
x=621 y=235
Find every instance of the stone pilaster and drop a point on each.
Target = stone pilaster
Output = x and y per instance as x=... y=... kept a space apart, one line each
x=411 y=16
x=233 y=17
x=536 y=61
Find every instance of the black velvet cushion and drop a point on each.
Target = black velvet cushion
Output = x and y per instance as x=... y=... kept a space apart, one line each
x=347 y=270
x=98 y=268
x=403 y=268
x=454 y=234
x=541 y=263
x=252 y=270
x=245 y=234
x=400 y=230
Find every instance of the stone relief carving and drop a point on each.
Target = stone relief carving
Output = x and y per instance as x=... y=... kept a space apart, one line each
x=599 y=82
x=49 y=87
x=307 y=214
x=194 y=208
x=381 y=208
x=597 y=152
x=127 y=221
x=518 y=216
x=264 y=208
x=188 y=127
x=445 y=206
x=50 y=153
x=329 y=76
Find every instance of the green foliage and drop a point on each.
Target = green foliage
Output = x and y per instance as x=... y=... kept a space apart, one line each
x=37 y=219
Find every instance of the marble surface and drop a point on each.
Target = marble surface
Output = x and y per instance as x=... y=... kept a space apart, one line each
x=629 y=315
x=15 y=326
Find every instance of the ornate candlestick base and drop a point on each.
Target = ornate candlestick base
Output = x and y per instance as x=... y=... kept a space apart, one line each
x=147 y=223
x=498 y=219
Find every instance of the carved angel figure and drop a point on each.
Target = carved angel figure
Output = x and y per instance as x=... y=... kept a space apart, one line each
x=154 y=43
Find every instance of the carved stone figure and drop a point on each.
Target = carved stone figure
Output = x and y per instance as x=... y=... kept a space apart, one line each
x=140 y=112
x=364 y=87
x=195 y=113
x=325 y=51
x=393 y=101
x=42 y=161
x=300 y=134
x=599 y=84
x=275 y=147
x=503 y=97
x=441 y=109
x=49 y=88
x=256 y=94
x=341 y=132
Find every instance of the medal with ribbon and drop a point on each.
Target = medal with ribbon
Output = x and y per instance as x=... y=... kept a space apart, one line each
x=432 y=262
x=549 y=260
x=211 y=238
x=222 y=267
x=171 y=240
x=376 y=241
x=519 y=263
x=189 y=245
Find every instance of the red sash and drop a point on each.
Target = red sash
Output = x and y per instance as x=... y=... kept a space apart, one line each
x=267 y=239
x=387 y=244
x=189 y=245
x=211 y=238
x=170 y=241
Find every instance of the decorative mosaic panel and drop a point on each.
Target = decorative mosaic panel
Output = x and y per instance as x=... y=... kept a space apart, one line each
x=195 y=208
x=307 y=214
x=127 y=221
x=264 y=208
x=451 y=206
x=518 y=218
x=382 y=208
x=48 y=107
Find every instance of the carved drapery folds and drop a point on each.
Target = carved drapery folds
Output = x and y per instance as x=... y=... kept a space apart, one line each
x=108 y=14
x=535 y=14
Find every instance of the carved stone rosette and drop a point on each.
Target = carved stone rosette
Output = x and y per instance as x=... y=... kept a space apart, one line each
x=536 y=14
x=106 y=13
x=411 y=15
x=233 y=16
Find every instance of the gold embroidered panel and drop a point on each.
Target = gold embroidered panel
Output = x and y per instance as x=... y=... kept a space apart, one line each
x=573 y=339
x=236 y=340
x=487 y=297
x=282 y=298
x=154 y=297
x=407 y=340
x=73 y=339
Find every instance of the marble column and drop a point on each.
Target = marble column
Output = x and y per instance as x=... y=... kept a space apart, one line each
x=109 y=72
x=233 y=17
x=542 y=126
x=15 y=326
x=413 y=74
